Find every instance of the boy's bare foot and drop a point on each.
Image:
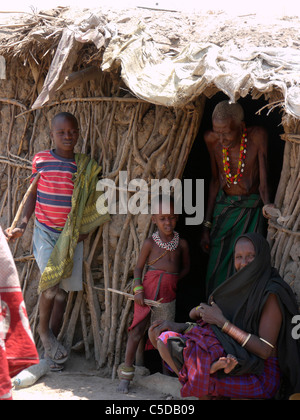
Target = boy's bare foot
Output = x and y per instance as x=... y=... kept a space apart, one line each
x=53 y=349
x=227 y=363
x=123 y=387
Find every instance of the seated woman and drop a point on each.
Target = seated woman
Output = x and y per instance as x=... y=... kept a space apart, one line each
x=249 y=317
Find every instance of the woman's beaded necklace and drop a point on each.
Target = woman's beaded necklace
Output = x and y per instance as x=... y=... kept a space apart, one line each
x=170 y=246
x=234 y=179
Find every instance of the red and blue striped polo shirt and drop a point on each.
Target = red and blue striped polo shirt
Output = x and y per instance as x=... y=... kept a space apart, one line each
x=55 y=188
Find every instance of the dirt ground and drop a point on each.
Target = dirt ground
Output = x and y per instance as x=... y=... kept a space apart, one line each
x=80 y=380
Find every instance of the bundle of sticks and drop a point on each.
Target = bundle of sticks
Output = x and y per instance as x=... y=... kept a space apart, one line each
x=149 y=302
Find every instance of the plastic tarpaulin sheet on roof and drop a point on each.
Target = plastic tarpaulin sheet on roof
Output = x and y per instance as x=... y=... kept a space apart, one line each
x=91 y=29
x=175 y=79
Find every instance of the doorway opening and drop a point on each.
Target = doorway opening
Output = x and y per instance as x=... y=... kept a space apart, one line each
x=191 y=290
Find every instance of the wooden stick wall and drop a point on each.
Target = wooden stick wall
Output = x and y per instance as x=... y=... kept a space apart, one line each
x=122 y=134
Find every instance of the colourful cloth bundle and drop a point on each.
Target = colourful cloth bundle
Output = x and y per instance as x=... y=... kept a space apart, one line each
x=17 y=348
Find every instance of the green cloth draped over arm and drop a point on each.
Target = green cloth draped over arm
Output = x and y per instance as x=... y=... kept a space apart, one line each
x=83 y=218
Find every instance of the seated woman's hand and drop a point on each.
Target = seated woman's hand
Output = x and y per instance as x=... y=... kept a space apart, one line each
x=211 y=314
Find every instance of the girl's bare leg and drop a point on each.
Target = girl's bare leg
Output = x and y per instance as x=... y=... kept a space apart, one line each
x=134 y=337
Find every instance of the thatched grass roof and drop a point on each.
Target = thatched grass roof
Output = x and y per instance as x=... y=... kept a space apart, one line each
x=167 y=58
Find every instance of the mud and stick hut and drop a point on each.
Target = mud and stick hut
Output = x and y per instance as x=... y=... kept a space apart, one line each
x=142 y=84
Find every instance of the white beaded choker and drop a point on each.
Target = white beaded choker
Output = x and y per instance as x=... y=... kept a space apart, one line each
x=170 y=246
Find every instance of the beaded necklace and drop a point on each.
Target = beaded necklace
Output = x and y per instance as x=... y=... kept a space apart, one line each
x=169 y=246
x=234 y=179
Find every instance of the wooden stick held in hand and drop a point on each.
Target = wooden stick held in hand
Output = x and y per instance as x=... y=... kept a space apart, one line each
x=148 y=302
x=21 y=207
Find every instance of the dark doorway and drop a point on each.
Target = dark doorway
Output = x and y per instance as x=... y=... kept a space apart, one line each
x=191 y=290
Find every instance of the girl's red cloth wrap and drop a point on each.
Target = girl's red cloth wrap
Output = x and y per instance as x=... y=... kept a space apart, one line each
x=154 y=280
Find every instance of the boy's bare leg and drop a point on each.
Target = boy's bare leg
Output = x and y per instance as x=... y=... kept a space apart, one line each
x=134 y=337
x=227 y=363
x=58 y=311
x=47 y=303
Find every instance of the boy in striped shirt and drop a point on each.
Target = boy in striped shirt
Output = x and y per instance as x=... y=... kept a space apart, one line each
x=60 y=221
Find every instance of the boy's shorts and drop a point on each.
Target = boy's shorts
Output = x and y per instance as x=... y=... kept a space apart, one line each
x=44 y=241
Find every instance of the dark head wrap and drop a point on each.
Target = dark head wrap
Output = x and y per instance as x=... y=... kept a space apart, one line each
x=242 y=298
